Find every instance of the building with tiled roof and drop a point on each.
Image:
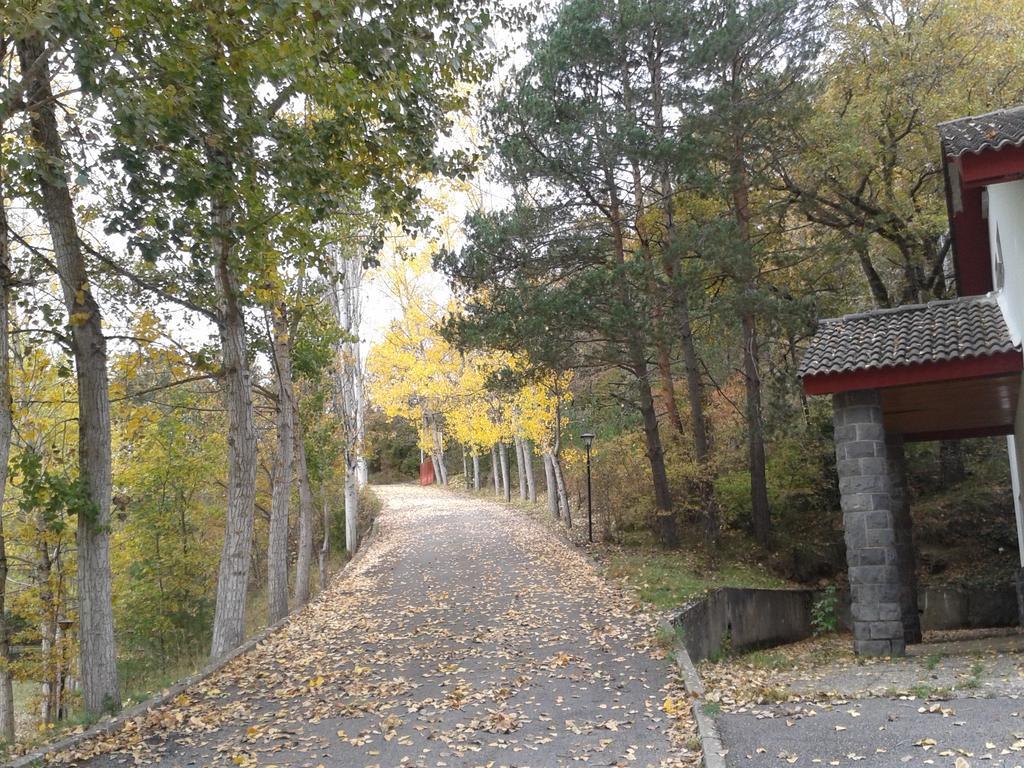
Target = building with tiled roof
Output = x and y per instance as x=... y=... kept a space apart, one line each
x=981 y=133
x=946 y=369
x=915 y=334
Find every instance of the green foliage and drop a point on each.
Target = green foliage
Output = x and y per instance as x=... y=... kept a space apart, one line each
x=801 y=480
x=392 y=448
x=51 y=495
x=165 y=549
x=824 y=616
x=285 y=117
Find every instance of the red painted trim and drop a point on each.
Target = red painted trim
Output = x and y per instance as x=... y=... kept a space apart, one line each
x=972 y=256
x=992 y=166
x=922 y=373
x=958 y=434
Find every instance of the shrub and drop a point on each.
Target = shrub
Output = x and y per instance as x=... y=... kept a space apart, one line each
x=824 y=616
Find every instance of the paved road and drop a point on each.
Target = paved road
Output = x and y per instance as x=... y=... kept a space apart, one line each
x=870 y=733
x=466 y=636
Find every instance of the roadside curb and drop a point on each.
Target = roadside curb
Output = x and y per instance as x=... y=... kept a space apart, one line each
x=111 y=725
x=710 y=742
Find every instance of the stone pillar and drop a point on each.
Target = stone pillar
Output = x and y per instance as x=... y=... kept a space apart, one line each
x=871 y=551
x=904 y=529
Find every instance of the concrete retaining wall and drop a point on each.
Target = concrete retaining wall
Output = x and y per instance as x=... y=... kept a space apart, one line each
x=749 y=618
x=955 y=608
x=760 y=618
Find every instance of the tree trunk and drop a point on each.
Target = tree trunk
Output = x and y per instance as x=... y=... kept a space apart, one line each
x=505 y=480
x=665 y=520
x=303 y=562
x=495 y=470
x=441 y=466
x=345 y=293
x=521 y=468
x=681 y=305
x=97 y=655
x=47 y=625
x=437 y=468
x=476 y=472
x=531 y=483
x=6 y=428
x=563 y=491
x=556 y=465
x=236 y=554
x=549 y=479
x=666 y=527
x=668 y=389
x=760 y=511
x=351 y=505
x=465 y=468
x=277 y=544
x=325 y=543
x=879 y=293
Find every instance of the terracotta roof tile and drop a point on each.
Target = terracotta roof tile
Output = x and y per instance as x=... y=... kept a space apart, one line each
x=995 y=130
x=940 y=331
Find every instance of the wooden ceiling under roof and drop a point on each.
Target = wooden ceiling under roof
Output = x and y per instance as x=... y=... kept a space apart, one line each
x=938 y=410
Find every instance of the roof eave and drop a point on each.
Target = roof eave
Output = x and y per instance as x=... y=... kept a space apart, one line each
x=920 y=373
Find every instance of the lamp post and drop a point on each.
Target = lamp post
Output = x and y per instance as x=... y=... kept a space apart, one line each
x=588 y=440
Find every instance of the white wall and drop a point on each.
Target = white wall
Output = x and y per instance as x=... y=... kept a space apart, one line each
x=1006 y=227
x=1006 y=231
x=1015 y=447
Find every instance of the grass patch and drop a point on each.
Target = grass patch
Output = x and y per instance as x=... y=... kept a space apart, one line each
x=924 y=691
x=974 y=681
x=931 y=661
x=669 y=579
x=712 y=708
x=772 y=661
x=665 y=637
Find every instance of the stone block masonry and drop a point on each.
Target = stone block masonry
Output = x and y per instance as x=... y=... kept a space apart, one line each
x=874 y=544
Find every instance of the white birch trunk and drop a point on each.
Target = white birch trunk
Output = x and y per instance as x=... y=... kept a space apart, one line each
x=531 y=484
x=304 y=561
x=97 y=655
x=6 y=428
x=277 y=544
x=325 y=542
x=563 y=495
x=362 y=470
x=505 y=480
x=556 y=465
x=549 y=479
x=351 y=509
x=520 y=467
x=344 y=296
x=495 y=470
x=476 y=472
x=439 y=451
